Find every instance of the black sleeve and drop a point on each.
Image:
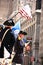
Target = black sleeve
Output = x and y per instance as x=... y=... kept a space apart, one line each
x=1 y=33
x=12 y=42
x=12 y=39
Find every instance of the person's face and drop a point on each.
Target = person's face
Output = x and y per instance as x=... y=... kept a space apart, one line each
x=8 y=26
x=22 y=36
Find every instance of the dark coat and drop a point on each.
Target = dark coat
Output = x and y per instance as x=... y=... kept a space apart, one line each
x=18 y=58
x=8 y=42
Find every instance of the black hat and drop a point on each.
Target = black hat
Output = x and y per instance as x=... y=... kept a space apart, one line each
x=9 y=22
x=22 y=32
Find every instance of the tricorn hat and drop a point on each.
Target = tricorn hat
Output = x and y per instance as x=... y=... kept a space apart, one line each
x=22 y=32
x=9 y=22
